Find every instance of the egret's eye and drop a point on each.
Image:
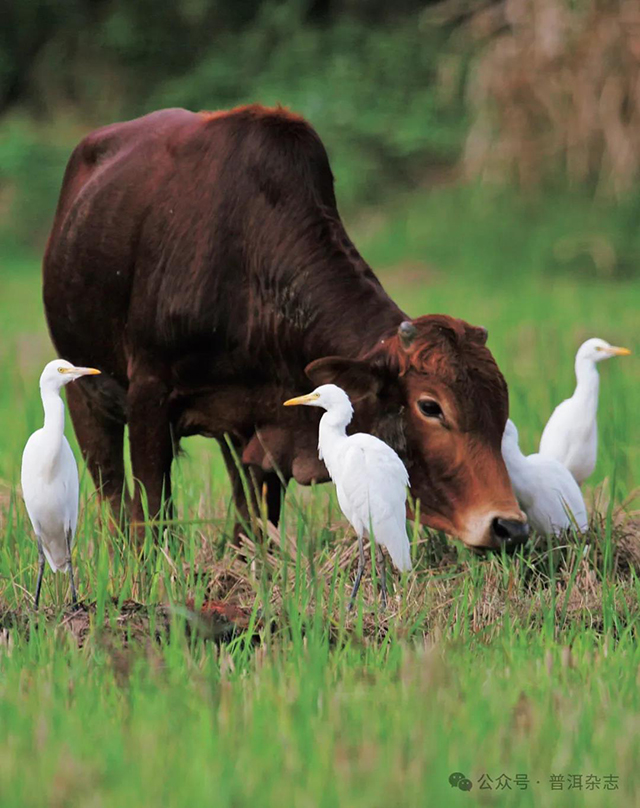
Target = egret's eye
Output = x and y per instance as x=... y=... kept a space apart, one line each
x=429 y=408
x=60 y=370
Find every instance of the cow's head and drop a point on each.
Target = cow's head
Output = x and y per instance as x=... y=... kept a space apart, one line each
x=433 y=391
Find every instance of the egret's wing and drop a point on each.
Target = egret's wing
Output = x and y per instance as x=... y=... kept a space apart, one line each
x=570 y=498
x=51 y=498
x=29 y=481
x=571 y=437
x=556 y=436
x=71 y=486
x=372 y=491
x=576 y=511
x=65 y=489
x=558 y=499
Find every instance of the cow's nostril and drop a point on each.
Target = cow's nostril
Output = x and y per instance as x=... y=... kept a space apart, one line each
x=510 y=532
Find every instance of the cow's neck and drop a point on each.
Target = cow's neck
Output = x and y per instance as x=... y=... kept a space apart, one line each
x=354 y=333
x=349 y=312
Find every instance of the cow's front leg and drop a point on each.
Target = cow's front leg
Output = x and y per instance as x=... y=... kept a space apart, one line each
x=151 y=446
x=273 y=494
x=251 y=486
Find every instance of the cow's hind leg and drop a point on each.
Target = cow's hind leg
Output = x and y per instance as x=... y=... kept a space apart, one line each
x=151 y=445
x=101 y=440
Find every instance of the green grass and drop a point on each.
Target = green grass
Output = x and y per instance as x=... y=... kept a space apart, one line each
x=481 y=665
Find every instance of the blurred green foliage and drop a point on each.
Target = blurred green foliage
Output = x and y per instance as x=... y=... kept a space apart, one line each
x=393 y=92
x=373 y=94
x=377 y=94
x=31 y=169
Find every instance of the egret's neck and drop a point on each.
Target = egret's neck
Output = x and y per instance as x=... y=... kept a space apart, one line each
x=53 y=422
x=588 y=383
x=333 y=430
x=514 y=459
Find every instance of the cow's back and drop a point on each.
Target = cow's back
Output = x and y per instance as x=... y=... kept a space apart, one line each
x=154 y=224
x=91 y=256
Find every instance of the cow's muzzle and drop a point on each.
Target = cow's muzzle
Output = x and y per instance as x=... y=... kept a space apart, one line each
x=509 y=533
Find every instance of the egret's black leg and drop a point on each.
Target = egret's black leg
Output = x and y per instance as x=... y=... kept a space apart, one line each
x=382 y=567
x=356 y=585
x=74 y=594
x=40 y=575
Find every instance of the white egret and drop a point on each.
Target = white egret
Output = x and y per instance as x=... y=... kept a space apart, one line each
x=50 y=476
x=571 y=434
x=544 y=488
x=371 y=480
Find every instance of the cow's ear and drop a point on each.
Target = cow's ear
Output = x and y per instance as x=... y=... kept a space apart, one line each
x=357 y=378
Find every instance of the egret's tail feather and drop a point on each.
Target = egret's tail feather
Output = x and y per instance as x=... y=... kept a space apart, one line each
x=58 y=558
x=401 y=556
x=394 y=538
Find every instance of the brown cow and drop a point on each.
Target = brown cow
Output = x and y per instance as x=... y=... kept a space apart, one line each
x=200 y=262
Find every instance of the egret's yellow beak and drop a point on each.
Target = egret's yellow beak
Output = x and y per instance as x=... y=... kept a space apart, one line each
x=88 y=371
x=292 y=402
x=615 y=351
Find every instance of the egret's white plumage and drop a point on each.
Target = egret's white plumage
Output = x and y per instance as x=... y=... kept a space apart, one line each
x=571 y=434
x=371 y=480
x=544 y=488
x=49 y=474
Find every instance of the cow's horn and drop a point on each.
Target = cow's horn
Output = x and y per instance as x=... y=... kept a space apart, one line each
x=407 y=333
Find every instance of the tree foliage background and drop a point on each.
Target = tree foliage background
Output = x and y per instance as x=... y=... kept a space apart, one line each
x=537 y=94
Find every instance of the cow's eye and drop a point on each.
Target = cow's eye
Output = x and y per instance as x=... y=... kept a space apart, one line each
x=430 y=408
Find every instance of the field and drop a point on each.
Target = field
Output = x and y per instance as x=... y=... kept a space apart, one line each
x=489 y=666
